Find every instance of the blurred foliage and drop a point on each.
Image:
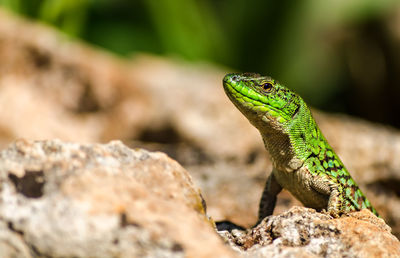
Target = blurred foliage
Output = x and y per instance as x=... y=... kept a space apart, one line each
x=68 y=15
x=339 y=54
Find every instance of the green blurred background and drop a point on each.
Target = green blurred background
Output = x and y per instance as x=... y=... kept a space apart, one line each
x=340 y=55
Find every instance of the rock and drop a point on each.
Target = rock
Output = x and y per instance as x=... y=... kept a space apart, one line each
x=54 y=88
x=303 y=232
x=62 y=199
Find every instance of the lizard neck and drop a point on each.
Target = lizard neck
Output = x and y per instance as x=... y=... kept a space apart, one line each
x=291 y=144
x=280 y=148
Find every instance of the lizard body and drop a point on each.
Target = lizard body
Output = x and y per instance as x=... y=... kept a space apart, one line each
x=303 y=161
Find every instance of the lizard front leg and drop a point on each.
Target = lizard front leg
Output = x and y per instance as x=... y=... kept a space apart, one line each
x=335 y=201
x=268 y=199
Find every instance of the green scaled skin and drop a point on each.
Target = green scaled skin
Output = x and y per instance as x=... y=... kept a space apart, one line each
x=304 y=163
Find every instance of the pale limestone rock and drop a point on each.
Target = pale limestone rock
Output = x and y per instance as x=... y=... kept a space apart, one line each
x=63 y=199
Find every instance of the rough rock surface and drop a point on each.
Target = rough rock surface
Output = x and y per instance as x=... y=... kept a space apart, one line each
x=69 y=200
x=303 y=232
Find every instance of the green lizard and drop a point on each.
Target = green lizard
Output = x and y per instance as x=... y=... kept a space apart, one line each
x=304 y=163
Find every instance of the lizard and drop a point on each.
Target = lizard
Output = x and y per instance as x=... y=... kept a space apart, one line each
x=303 y=161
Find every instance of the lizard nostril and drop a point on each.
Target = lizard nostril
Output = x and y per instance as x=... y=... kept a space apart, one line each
x=231 y=77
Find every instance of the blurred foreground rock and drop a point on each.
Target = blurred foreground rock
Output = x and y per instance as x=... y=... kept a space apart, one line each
x=52 y=87
x=70 y=200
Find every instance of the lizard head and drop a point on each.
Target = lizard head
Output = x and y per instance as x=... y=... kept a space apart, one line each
x=265 y=102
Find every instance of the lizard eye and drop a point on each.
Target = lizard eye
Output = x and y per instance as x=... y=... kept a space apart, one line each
x=267 y=86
